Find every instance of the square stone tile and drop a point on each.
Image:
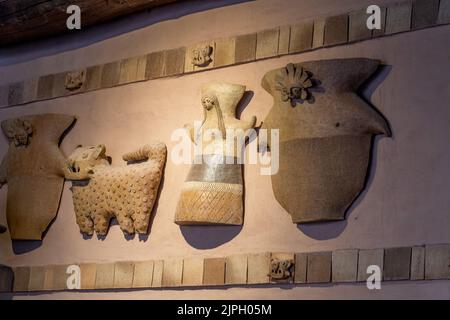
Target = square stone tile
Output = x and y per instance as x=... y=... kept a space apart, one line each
x=141 y=67
x=214 y=272
x=319 y=267
x=128 y=70
x=358 y=26
x=49 y=276
x=225 y=52
x=193 y=271
x=444 y=12
x=172 y=273
x=301 y=37
x=6 y=279
x=123 y=275
x=204 y=51
x=4 y=95
x=21 y=279
x=344 y=265
x=110 y=74
x=59 y=277
x=143 y=274
x=258 y=268
x=15 y=95
x=398 y=18
x=267 y=43
x=284 y=40
x=397 y=264
x=301 y=265
x=424 y=13
x=37 y=279
x=155 y=65
x=437 y=262
x=336 y=30
x=236 y=269
x=378 y=33
x=59 y=84
x=245 y=48
x=30 y=90
x=88 y=275
x=282 y=267
x=158 y=267
x=104 y=277
x=418 y=263
x=45 y=87
x=174 y=62
x=368 y=257
x=318 y=32
x=94 y=77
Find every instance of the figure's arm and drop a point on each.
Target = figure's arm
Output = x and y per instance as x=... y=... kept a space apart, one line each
x=190 y=130
x=246 y=125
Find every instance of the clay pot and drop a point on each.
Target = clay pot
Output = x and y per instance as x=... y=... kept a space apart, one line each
x=34 y=170
x=326 y=134
x=214 y=189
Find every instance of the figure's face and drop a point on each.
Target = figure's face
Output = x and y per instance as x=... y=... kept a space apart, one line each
x=208 y=102
x=21 y=137
x=296 y=92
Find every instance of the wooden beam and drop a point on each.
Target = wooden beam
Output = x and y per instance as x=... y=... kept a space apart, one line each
x=24 y=20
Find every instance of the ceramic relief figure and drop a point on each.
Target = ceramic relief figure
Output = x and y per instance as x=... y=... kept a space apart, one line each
x=213 y=190
x=326 y=133
x=102 y=192
x=34 y=170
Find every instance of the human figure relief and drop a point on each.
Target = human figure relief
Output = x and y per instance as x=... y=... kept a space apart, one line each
x=213 y=190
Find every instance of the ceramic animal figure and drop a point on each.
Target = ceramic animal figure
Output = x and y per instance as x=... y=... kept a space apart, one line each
x=127 y=193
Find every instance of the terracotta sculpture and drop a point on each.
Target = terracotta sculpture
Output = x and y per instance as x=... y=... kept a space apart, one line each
x=201 y=56
x=326 y=134
x=34 y=169
x=281 y=269
x=213 y=190
x=127 y=193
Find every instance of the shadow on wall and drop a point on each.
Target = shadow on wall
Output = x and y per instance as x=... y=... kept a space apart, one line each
x=331 y=230
x=209 y=237
x=81 y=38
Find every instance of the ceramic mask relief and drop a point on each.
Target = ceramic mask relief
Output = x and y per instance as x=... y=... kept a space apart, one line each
x=34 y=170
x=128 y=193
x=213 y=191
x=326 y=133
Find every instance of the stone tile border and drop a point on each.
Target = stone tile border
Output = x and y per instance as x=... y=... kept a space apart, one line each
x=304 y=36
x=430 y=262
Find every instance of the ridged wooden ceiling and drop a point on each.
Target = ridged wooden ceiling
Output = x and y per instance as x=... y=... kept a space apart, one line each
x=24 y=20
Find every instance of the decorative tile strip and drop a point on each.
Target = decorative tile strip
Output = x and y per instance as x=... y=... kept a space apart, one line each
x=301 y=37
x=431 y=262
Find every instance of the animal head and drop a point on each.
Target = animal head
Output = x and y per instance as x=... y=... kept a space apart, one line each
x=75 y=79
x=83 y=159
x=18 y=130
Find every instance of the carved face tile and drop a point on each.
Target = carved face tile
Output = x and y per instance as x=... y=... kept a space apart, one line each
x=201 y=56
x=75 y=79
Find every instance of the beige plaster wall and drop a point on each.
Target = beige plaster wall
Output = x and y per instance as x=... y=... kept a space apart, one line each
x=406 y=201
